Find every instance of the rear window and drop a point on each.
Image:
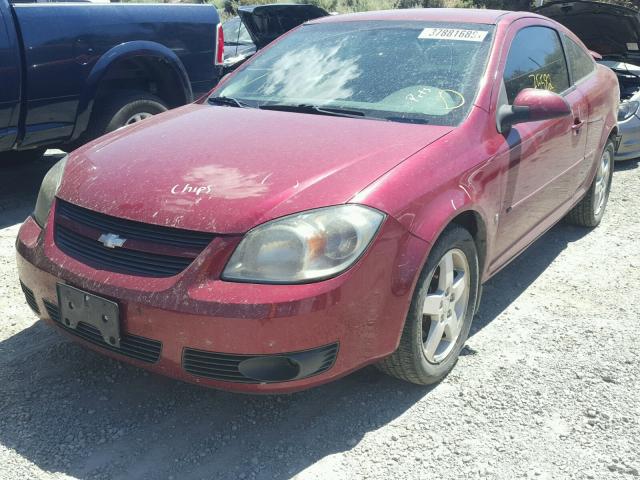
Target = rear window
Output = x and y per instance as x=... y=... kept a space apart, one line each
x=536 y=60
x=419 y=72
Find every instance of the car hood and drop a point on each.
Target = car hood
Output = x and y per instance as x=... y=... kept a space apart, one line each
x=225 y=169
x=610 y=30
x=267 y=22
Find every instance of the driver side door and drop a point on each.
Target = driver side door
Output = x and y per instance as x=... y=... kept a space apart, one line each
x=539 y=156
x=10 y=75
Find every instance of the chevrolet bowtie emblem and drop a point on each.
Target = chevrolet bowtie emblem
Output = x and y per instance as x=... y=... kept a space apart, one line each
x=111 y=240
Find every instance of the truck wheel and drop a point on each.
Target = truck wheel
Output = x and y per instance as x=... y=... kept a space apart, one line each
x=25 y=156
x=124 y=110
x=590 y=210
x=441 y=311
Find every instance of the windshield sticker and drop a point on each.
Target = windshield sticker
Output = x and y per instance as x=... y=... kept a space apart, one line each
x=632 y=46
x=453 y=34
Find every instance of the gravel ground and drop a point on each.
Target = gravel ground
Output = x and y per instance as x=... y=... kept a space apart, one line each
x=547 y=388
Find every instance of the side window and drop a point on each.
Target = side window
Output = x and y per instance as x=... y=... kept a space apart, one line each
x=536 y=60
x=580 y=62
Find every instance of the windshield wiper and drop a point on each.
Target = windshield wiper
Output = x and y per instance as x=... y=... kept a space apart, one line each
x=417 y=121
x=315 y=109
x=228 y=101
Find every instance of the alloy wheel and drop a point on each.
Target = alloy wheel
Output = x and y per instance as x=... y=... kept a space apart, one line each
x=602 y=182
x=445 y=305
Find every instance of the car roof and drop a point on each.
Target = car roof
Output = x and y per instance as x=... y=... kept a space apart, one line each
x=462 y=15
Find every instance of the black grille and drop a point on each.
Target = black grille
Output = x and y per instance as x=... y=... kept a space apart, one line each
x=125 y=260
x=30 y=297
x=134 y=230
x=139 y=348
x=121 y=260
x=224 y=366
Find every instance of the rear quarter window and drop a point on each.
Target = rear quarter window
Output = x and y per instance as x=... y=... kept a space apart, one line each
x=580 y=62
x=536 y=60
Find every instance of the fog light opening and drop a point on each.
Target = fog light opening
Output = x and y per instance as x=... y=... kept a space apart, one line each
x=270 y=369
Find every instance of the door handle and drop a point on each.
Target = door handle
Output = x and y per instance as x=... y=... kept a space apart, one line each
x=577 y=125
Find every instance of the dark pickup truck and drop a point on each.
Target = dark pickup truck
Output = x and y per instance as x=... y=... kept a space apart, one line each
x=72 y=72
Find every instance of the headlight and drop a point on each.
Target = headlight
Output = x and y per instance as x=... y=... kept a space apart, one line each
x=627 y=110
x=304 y=247
x=48 y=191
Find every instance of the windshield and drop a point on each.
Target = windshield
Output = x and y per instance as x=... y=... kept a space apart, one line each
x=415 y=72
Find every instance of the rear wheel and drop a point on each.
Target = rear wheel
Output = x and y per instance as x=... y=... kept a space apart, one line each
x=441 y=311
x=590 y=210
x=120 y=111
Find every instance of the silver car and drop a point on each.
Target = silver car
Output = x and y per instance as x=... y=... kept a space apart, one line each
x=628 y=115
x=620 y=51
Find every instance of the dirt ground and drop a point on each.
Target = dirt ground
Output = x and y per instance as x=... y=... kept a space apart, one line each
x=548 y=387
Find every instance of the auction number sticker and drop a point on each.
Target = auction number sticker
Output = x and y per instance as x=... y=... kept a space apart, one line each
x=453 y=34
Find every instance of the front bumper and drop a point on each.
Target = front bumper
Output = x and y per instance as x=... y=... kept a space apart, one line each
x=629 y=131
x=198 y=328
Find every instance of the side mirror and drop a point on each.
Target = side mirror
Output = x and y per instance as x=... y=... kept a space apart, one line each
x=531 y=105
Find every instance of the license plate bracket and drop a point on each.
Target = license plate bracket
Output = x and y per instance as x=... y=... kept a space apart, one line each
x=79 y=306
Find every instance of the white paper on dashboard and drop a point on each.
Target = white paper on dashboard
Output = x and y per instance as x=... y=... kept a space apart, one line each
x=453 y=34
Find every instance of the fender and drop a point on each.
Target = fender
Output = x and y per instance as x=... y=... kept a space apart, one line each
x=442 y=210
x=440 y=193
x=139 y=48
x=611 y=118
x=610 y=127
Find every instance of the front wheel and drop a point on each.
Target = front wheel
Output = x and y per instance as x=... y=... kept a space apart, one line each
x=441 y=311
x=590 y=210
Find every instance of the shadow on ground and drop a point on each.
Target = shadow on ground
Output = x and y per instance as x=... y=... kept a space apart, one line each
x=505 y=287
x=626 y=165
x=69 y=410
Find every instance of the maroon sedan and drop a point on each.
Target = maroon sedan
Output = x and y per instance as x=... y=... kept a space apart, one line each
x=336 y=202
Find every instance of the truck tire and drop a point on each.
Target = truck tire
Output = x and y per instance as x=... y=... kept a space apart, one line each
x=441 y=311
x=21 y=157
x=122 y=110
x=590 y=210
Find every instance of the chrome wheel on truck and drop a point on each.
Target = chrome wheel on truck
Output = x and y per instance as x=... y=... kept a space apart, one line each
x=118 y=111
x=138 y=117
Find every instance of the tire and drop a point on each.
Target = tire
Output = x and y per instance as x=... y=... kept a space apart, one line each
x=21 y=157
x=120 y=111
x=413 y=361
x=590 y=210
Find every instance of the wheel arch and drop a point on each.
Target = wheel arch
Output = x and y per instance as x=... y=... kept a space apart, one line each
x=120 y=63
x=472 y=221
x=614 y=131
x=615 y=137
x=454 y=207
